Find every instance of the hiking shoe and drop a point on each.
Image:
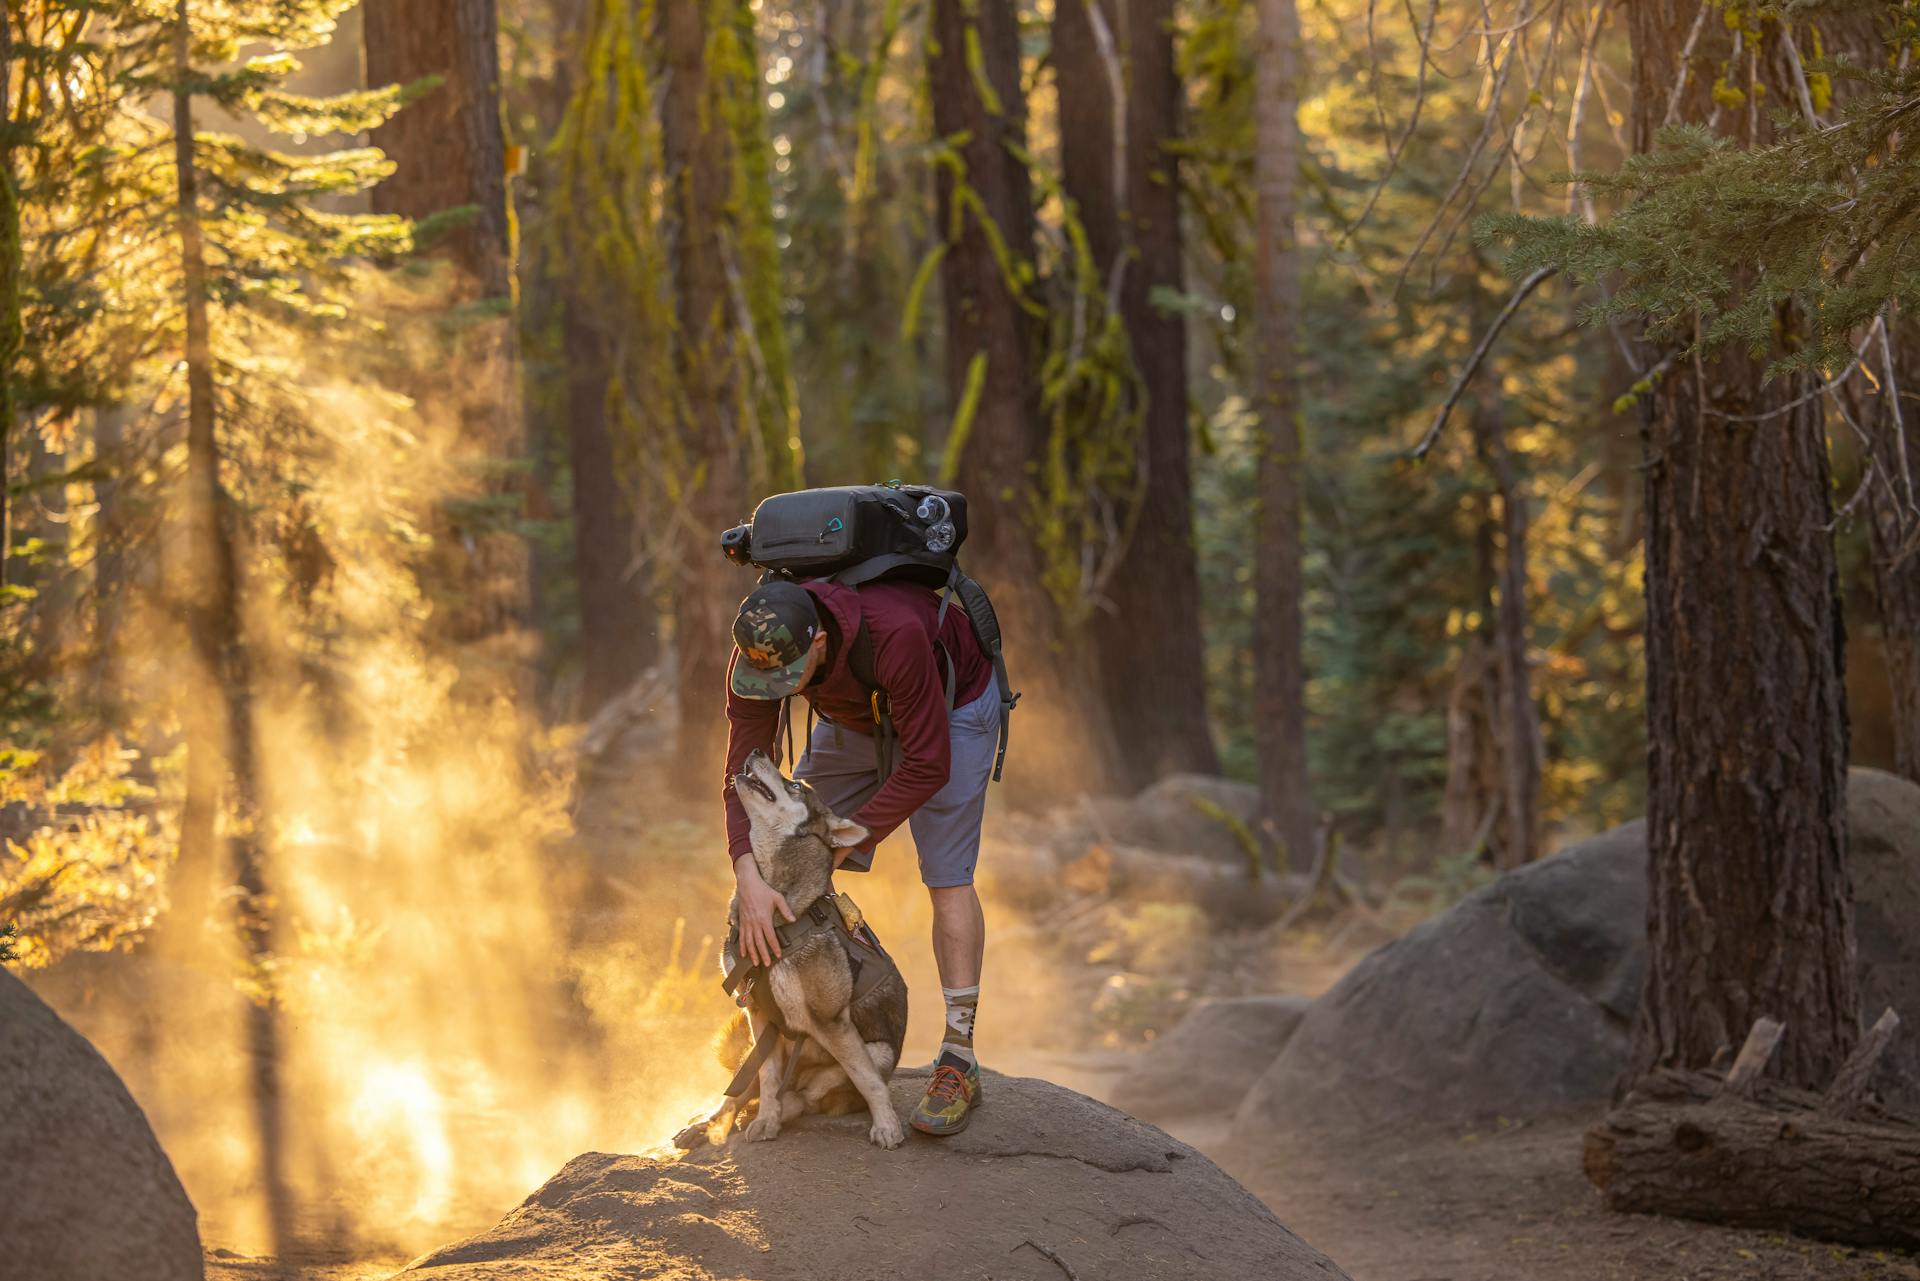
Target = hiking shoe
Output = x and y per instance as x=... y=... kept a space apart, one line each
x=951 y=1096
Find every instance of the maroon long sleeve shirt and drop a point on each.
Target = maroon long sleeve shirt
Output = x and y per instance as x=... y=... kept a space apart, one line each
x=900 y=620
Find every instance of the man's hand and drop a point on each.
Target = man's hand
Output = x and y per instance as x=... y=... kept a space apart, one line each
x=758 y=902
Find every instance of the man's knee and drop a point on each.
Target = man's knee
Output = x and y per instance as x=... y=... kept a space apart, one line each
x=953 y=898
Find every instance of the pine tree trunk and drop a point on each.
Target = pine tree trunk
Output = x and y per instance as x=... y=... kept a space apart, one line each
x=699 y=158
x=1062 y=738
x=450 y=155
x=1750 y=905
x=1517 y=720
x=448 y=147
x=218 y=703
x=1125 y=187
x=1470 y=803
x=111 y=583
x=1279 y=674
x=10 y=265
x=617 y=627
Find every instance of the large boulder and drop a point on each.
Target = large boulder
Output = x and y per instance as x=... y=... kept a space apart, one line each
x=1194 y=814
x=1208 y=1061
x=86 y=1194
x=1518 y=1002
x=1883 y=840
x=1042 y=1174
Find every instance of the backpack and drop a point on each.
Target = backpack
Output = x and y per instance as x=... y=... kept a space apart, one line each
x=856 y=534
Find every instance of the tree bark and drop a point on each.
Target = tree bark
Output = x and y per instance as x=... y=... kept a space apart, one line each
x=449 y=150
x=1679 y=1146
x=10 y=265
x=1119 y=107
x=1750 y=905
x=1279 y=674
x=449 y=147
x=218 y=707
x=618 y=639
x=698 y=153
x=1517 y=727
x=1062 y=740
x=1471 y=800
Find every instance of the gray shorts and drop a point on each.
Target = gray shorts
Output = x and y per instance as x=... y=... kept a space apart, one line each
x=841 y=766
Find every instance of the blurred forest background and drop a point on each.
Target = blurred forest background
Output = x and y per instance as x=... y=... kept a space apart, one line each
x=379 y=378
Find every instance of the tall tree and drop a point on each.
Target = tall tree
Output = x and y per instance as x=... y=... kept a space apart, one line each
x=1278 y=643
x=996 y=447
x=1119 y=108
x=603 y=325
x=10 y=265
x=450 y=174
x=1750 y=910
x=449 y=148
x=618 y=627
x=738 y=435
x=1516 y=727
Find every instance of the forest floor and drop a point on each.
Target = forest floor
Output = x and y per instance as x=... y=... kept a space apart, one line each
x=1505 y=1204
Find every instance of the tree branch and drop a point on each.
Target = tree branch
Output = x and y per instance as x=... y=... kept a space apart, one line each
x=1479 y=356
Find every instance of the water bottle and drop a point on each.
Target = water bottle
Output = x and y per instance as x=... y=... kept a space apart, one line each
x=934 y=511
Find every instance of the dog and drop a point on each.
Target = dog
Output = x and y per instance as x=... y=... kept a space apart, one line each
x=851 y=1047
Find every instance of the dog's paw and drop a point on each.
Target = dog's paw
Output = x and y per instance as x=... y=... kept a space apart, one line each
x=693 y=1136
x=887 y=1132
x=763 y=1128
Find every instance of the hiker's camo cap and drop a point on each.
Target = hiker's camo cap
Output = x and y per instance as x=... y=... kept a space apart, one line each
x=777 y=624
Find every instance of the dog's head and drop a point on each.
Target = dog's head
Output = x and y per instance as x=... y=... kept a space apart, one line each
x=787 y=818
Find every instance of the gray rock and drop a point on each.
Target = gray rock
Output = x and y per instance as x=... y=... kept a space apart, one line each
x=87 y=1193
x=1176 y=816
x=1518 y=1002
x=1039 y=1169
x=1883 y=838
x=1208 y=1061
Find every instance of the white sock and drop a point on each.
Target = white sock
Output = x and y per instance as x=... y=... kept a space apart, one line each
x=962 y=1004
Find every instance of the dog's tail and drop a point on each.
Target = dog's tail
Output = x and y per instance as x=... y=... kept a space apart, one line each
x=734 y=1042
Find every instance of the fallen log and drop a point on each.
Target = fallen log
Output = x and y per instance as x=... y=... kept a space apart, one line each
x=1750 y=1153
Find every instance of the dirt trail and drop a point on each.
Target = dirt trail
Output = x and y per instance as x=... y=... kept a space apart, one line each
x=1508 y=1205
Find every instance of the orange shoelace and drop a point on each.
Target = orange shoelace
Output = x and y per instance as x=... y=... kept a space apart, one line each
x=948 y=1084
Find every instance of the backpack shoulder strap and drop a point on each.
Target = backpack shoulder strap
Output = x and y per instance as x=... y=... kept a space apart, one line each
x=986 y=630
x=860 y=657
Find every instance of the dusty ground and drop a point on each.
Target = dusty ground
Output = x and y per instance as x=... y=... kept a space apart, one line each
x=1506 y=1206
x=1471 y=1206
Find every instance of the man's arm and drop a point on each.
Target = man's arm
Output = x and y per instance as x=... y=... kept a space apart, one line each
x=751 y=723
x=903 y=663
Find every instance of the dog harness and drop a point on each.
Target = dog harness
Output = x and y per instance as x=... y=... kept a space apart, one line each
x=748 y=983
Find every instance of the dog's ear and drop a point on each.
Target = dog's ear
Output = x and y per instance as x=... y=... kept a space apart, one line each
x=844 y=832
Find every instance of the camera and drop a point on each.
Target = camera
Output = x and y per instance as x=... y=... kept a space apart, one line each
x=737 y=544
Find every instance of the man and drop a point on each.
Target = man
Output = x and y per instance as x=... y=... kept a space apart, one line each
x=798 y=638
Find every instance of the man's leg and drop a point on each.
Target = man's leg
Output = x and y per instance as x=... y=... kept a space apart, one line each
x=959 y=934
x=959 y=944
x=947 y=832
